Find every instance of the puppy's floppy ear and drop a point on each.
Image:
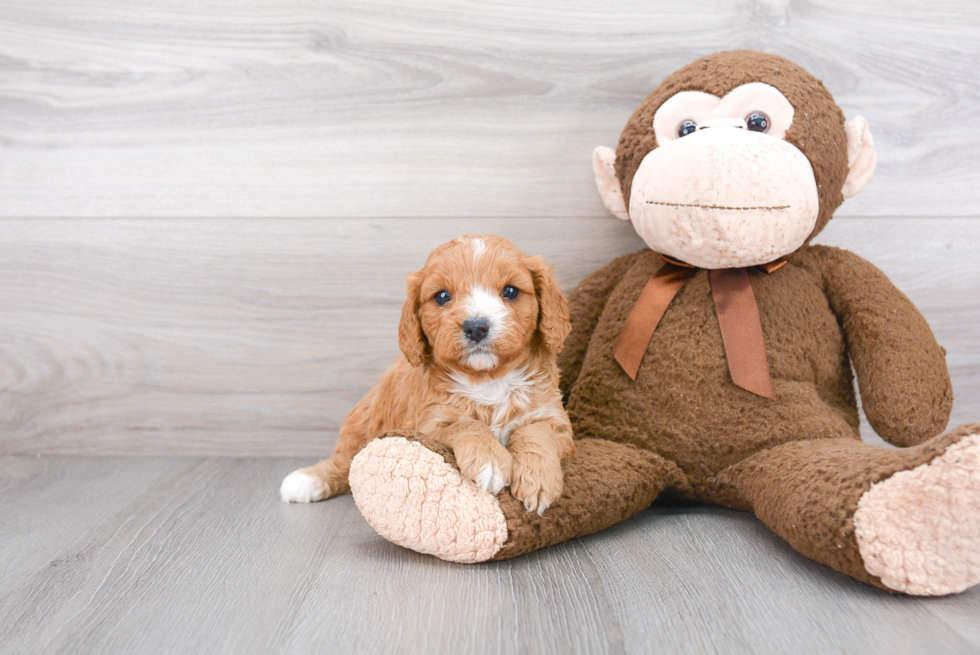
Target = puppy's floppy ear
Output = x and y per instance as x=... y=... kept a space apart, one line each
x=411 y=339
x=553 y=323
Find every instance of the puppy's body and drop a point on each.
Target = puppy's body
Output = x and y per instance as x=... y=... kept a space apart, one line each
x=478 y=372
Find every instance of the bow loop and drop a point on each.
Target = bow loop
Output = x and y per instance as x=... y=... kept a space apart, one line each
x=738 y=317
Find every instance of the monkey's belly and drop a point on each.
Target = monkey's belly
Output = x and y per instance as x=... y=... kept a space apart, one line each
x=684 y=405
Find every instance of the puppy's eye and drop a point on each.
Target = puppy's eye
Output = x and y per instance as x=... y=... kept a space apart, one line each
x=686 y=127
x=757 y=121
x=443 y=297
x=510 y=292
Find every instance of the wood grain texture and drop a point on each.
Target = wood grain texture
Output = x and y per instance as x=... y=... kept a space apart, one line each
x=323 y=108
x=255 y=337
x=48 y=503
x=256 y=177
x=189 y=336
x=205 y=558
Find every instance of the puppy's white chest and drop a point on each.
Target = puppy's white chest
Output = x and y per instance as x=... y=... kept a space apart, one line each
x=512 y=391
x=510 y=388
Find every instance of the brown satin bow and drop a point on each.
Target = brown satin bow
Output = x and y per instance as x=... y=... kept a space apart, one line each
x=738 y=316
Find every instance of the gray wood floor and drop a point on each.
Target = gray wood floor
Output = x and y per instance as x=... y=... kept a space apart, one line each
x=193 y=555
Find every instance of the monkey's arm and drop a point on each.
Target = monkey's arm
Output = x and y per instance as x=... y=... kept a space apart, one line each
x=901 y=369
x=585 y=305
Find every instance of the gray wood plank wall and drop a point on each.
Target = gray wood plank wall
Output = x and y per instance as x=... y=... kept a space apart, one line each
x=206 y=213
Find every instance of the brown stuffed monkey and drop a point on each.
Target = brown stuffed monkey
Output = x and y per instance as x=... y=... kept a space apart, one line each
x=715 y=366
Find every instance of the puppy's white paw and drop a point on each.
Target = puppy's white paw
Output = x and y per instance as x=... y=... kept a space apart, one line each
x=490 y=479
x=485 y=462
x=300 y=487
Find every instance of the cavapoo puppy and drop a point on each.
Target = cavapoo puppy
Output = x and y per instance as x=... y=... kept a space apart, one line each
x=479 y=333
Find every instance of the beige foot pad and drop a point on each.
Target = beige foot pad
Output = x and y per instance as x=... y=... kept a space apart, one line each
x=919 y=530
x=413 y=498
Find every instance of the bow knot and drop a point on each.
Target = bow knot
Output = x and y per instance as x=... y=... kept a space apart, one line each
x=738 y=317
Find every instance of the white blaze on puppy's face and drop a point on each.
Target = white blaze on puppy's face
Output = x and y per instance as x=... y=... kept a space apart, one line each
x=478 y=246
x=467 y=321
x=485 y=305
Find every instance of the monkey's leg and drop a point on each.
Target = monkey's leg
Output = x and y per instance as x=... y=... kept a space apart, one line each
x=906 y=520
x=409 y=489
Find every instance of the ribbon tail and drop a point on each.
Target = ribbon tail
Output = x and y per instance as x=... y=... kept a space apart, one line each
x=741 y=330
x=646 y=314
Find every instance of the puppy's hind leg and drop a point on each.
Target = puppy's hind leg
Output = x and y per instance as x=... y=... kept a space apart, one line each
x=329 y=477
x=318 y=482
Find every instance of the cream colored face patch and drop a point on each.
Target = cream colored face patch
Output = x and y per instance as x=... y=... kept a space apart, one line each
x=756 y=107
x=723 y=189
x=724 y=198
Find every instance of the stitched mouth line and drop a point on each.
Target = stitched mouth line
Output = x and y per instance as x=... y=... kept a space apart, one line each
x=740 y=209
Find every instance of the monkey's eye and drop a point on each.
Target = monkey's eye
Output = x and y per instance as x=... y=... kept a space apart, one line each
x=509 y=292
x=757 y=121
x=686 y=127
x=443 y=297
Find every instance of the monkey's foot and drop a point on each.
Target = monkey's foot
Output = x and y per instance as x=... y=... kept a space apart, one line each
x=919 y=530
x=413 y=497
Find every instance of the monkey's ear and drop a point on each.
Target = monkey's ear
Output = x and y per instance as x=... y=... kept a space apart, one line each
x=861 y=157
x=604 y=167
x=411 y=338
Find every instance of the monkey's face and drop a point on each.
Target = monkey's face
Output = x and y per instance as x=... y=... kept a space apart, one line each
x=723 y=189
x=714 y=181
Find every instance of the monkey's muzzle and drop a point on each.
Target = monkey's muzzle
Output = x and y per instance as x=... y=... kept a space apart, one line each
x=724 y=198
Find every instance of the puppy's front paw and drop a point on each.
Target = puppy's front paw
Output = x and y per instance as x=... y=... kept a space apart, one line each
x=487 y=464
x=536 y=481
x=302 y=487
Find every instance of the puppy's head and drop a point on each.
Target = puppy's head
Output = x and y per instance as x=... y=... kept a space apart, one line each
x=480 y=303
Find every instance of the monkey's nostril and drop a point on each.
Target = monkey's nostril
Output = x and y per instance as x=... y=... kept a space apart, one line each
x=476 y=329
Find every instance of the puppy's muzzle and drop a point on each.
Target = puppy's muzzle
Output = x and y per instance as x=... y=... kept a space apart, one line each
x=476 y=329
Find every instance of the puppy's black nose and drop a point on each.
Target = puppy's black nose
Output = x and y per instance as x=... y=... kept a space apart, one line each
x=476 y=329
